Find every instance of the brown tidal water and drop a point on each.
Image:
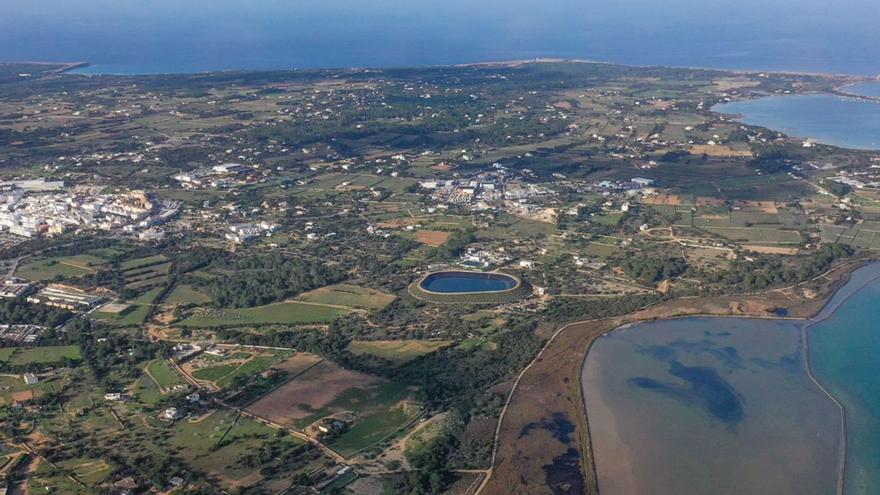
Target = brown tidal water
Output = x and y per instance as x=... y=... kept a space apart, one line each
x=709 y=406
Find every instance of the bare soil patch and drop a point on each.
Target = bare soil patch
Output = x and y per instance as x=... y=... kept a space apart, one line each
x=719 y=150
x=771 y=249
x=432 y=237
x=298 y=363
x=662 y=199
x=310 y=392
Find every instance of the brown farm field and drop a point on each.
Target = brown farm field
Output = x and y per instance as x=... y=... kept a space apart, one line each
x=374 y=409
x=432 y=237
x=298 y=363
x=533 y=458
x=298 y=400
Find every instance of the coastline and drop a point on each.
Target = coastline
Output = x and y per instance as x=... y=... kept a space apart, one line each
x=850 y=78
x=805 y=339
x=824 y=312
x=551 y=384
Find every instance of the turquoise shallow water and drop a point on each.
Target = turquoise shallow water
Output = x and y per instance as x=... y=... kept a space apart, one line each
x=845 y=357
x=827 y=119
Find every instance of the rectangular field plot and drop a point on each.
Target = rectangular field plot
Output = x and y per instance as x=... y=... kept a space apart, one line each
x=42 y=355
x=280 y=313
x=756 y=235
x=374 y=408
x=222 y=371
x=396 y=351
x=348 y=295
x=41 y=269
x=865 y=235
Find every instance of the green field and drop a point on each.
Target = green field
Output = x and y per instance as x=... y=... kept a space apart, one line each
x=757 y=235
x=163 y=374
x=214 y=372
x=6 y=353
x=186 y=294
x=40 y=355
x=136 y=314
x=42 y=269
x=223 y=374
x=143 y=262
x=348 y=295
x=380 y=413
x=396 y=351
x=214 y=443
x=280 y=313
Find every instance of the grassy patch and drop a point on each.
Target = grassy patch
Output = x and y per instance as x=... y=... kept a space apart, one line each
x=43 y=355
x=349 y=295
x=186 y=294
x=214 y=373
x=396 y=351
x=64 y=266
x=142 y=262
x=281 y=313
x=163 y=374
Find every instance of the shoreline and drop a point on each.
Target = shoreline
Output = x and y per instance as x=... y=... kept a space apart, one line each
x=805 y=323
x=805 y=339
x=551 y=383
x=853 y=78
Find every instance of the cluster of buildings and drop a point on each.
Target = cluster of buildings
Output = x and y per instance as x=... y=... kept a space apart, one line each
x=20 y=334
x=14 y=288
x=222 y=175
x=243 y=232
x=32 y=208
x=475 y=258
x=66 y=297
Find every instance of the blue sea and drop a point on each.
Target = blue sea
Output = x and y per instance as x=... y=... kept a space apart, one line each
x=164 y=36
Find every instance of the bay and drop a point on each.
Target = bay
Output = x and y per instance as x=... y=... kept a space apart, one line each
x=824 y=118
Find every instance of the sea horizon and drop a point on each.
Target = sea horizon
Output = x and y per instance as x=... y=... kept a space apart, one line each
x=201 y=36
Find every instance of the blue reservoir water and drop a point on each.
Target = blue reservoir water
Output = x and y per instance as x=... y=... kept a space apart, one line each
x=201 y=35
x=828 y=119
x=453 y=282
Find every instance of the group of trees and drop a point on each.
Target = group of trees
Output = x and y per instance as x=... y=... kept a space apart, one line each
x=18 y=311
x=650 y=270
x=455 y=245
x=766 y=271
x=262 y=279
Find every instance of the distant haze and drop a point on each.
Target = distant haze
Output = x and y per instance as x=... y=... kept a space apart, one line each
x=197 y=35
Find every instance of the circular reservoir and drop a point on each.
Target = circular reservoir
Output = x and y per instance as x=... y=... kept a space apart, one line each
x=465 y=282
x=467 y=286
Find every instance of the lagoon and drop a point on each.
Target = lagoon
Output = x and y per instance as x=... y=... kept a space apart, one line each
x=708 y=405
x=725 y=405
